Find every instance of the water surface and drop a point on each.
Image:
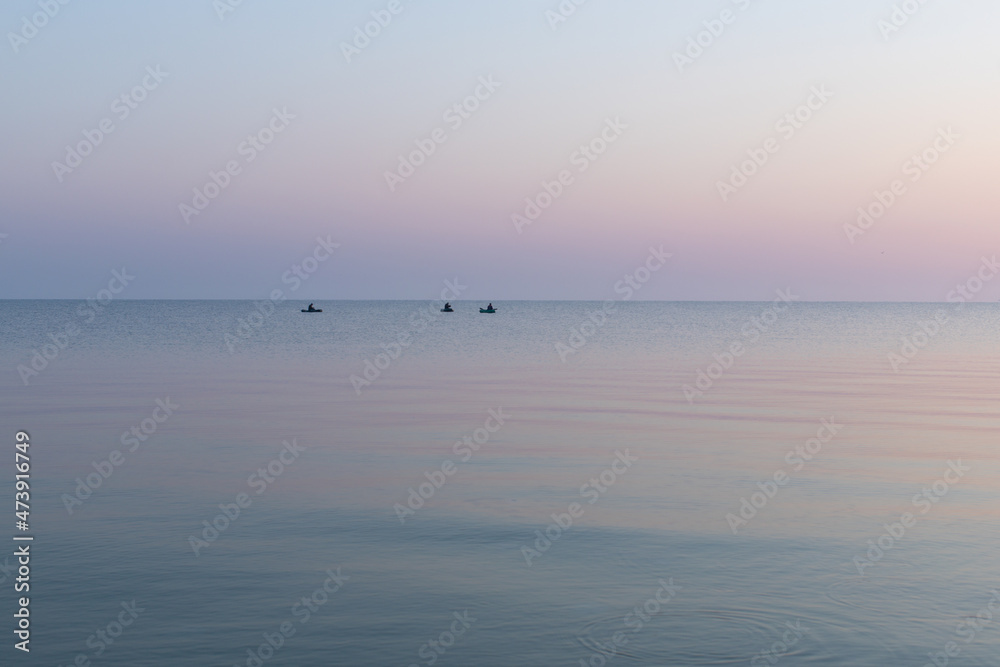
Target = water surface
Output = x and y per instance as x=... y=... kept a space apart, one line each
x=241 y=391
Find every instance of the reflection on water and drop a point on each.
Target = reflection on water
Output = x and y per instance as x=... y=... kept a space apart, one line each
x=409 y=438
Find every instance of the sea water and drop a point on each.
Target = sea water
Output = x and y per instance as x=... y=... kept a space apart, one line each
x=558 y=483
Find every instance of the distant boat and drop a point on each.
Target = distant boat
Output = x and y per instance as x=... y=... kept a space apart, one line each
x=487 y=310
x=447 y=310
x=314 y=310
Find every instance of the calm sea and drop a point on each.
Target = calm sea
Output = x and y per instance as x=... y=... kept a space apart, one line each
x=559 y=483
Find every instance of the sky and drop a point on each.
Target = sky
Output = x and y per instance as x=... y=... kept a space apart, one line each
x=740 y=136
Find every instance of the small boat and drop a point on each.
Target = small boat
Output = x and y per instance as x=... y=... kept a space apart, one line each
x=484 y=310
x=447 y=310
x=314 y=310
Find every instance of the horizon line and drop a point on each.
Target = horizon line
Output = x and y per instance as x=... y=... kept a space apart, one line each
x=317 y=300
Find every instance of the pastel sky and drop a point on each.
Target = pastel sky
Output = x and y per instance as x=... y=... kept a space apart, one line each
x=680 y=128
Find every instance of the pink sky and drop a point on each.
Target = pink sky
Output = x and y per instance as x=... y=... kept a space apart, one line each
x=530 y=93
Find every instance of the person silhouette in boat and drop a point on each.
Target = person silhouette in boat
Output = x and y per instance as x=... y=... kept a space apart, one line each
x=447 y=306
x=489 y=307
x=311 y=309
